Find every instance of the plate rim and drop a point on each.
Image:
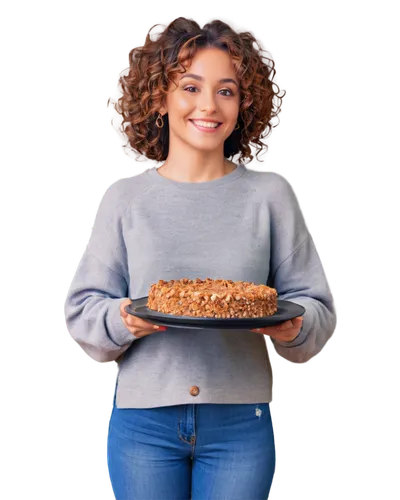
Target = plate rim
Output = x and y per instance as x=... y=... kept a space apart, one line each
x=202 y=322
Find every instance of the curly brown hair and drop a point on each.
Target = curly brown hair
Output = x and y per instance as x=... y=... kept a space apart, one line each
x=153 y=67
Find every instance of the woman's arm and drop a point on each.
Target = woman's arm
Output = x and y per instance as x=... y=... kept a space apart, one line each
x=296 y=272
x=301 y=279
x=100 y=284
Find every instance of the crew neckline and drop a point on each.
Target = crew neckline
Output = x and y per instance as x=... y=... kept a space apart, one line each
x=160 y=179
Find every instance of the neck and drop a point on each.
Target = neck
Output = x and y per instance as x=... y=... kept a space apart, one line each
x=195 y=166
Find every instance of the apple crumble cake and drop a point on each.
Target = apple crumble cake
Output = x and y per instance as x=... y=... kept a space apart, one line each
x=212 y=298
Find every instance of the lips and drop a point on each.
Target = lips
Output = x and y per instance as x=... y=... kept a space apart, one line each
x=205 y=129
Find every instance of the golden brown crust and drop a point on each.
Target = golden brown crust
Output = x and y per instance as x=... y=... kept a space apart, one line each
x=212 y=298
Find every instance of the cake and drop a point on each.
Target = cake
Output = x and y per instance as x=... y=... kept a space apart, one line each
x=212 y=298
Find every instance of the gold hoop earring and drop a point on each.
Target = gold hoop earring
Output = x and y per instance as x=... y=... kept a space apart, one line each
x=237 y=126
x=162 y=121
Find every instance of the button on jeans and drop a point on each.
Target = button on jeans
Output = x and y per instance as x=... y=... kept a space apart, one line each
x=191 y=451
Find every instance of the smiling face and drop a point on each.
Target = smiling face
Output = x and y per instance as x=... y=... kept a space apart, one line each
x=207 y=92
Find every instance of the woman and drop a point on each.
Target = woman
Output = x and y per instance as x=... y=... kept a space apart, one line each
x=191 y=415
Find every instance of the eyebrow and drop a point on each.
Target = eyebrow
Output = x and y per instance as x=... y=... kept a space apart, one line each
x=200 y=78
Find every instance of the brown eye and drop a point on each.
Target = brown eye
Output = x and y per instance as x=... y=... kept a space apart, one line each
x=228 y=90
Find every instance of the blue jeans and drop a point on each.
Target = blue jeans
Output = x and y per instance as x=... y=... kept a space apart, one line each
x=191 y=451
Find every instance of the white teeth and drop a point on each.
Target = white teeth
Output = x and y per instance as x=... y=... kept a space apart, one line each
x=206 y=124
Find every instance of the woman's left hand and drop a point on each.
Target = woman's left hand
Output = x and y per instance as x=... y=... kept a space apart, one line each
x=285 y=332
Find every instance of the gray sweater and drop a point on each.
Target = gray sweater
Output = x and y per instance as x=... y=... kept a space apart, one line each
x=244 y=226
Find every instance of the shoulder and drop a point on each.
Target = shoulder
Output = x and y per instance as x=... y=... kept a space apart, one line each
x=118 y=196
x=272 y=184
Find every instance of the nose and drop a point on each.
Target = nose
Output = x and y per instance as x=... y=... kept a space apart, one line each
x=207 y=101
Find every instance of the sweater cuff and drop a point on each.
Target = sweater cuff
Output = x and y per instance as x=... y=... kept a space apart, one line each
x=116 y=329
x=301 y=337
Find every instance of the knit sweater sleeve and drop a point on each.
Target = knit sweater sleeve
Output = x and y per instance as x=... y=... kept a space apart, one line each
x=100 y=283
x=296 y=272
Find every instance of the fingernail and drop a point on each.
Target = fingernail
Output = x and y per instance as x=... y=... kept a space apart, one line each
x=161 y=328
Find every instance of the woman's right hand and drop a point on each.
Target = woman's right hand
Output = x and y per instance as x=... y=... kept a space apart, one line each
x=137 y=326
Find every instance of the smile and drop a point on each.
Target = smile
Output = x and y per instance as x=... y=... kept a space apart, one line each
x=205 y=126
